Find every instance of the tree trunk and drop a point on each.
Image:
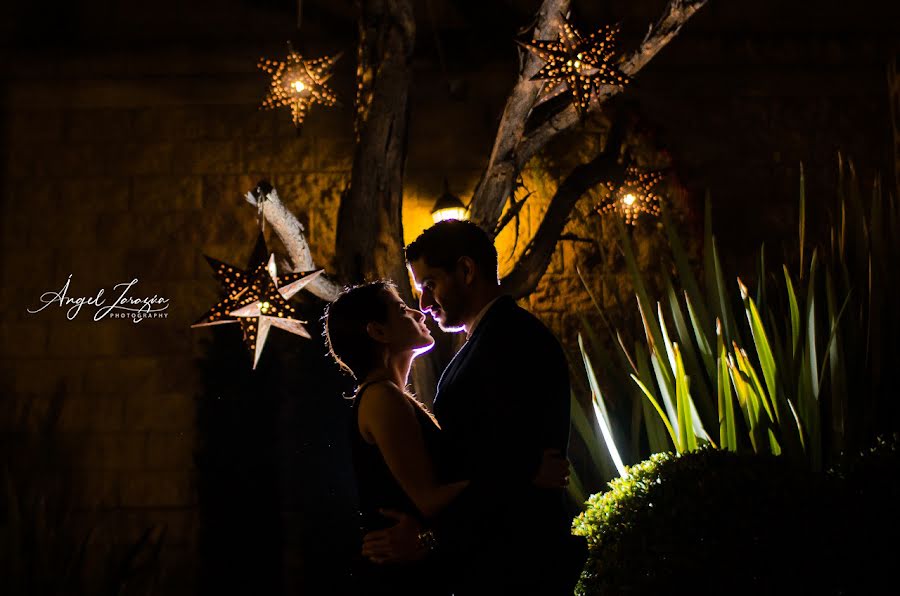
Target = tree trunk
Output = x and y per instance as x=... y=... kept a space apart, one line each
x=370 y=228
x=369 y=243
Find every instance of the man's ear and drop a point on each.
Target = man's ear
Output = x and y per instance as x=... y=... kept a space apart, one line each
x=468 y=269
x=376 y=331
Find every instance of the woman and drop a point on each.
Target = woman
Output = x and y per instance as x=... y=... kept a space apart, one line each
x=374 y=335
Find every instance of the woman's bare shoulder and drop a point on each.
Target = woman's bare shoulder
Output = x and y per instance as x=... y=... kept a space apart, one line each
x=383 y=397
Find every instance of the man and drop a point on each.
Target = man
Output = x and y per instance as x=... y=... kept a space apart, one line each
x=501 y=402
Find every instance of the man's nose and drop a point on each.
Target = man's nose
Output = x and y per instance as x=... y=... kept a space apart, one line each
x=425 y=301
x=418 y=315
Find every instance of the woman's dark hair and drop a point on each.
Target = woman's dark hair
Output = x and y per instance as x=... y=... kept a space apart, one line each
x=345 y=326
x=444 y=243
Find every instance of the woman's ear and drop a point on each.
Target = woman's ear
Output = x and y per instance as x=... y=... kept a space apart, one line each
x=377 y=331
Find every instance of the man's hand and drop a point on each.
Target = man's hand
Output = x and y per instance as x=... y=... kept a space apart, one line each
x=397 y=544
x=554 y=470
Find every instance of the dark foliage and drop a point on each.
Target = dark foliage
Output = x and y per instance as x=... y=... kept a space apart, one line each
x=713 y=521
x=869 y=520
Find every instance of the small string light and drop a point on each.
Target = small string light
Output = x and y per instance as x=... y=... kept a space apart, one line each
x=581 y=65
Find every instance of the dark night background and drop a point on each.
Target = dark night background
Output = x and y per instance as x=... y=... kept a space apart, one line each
x=129 y=133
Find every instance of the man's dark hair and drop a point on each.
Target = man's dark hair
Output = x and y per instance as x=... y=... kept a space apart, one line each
x=444 y=243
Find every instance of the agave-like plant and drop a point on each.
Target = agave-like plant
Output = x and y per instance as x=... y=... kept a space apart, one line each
x=769 y=371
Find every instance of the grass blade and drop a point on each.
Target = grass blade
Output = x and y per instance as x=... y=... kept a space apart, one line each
x=656 y=430
x=600 y=411
x=795 y=312
x=727 y=429
x=662 y=414
x=763 y=348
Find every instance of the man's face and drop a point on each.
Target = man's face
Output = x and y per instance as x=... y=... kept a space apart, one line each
x=442 y=294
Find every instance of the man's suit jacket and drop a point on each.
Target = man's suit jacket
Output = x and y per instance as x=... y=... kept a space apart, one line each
x=502 y=400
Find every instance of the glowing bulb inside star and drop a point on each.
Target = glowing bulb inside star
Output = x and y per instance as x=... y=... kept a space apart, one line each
x=299 y=87
x=264 y=307
x=629 y=199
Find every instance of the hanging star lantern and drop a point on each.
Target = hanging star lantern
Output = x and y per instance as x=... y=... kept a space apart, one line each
x=635 y=196
x=581 y=65
x=298 y=83
x=257 y=299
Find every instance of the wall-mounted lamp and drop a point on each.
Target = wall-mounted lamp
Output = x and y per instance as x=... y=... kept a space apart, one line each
x=448 y=206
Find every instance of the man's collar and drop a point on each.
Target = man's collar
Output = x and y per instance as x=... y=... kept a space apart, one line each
x=480 y=316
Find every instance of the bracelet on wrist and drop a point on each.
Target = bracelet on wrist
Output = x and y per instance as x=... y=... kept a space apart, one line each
x=427 y=540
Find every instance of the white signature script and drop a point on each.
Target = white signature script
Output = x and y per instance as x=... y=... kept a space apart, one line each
x=124 y=306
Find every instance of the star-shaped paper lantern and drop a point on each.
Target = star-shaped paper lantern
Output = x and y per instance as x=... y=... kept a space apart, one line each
x=257 y=299
x=581 y=65
x=635 y=196
x=298 y=83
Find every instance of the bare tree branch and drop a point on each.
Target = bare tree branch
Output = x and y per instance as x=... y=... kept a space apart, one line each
x=514 y=209
x=290 y=230
x=497 y=181
x=512 y=149
x=658 y=36
x=531 y=266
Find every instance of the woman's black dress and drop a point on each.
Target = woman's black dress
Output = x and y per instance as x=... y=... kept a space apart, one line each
x=378 y=489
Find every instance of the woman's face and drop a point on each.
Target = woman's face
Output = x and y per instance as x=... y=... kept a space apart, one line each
x=405 y=327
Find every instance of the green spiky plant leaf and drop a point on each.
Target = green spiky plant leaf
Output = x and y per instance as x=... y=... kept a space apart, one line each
x=776 y=379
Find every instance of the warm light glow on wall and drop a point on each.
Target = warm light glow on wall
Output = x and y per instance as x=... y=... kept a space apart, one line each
x=418 y=215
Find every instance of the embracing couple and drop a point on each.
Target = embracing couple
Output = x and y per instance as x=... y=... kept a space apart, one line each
x=469 y=500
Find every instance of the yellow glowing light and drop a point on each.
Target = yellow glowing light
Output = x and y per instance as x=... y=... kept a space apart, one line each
x=635 y=197
x=449 y=213
x=298 y=83
x=580 y=64
x=448 y=206
x=264 y=306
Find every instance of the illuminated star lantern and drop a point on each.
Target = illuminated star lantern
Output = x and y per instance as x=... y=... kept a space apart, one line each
x=299 y=83
x=257 y=299
x=635 y=196
x=581 y=65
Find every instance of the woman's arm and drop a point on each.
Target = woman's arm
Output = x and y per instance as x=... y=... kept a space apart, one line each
x=387 y=418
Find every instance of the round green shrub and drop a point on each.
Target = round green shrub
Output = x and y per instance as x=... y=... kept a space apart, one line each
x=711 y=521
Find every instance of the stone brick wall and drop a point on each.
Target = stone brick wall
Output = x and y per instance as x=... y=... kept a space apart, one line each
x=111 y=177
